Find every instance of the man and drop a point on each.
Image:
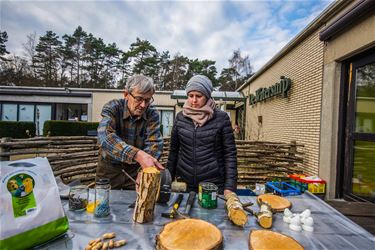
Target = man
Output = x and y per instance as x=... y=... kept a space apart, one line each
x=129 y=134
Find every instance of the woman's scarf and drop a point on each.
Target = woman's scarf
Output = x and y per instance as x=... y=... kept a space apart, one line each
x=199 y=115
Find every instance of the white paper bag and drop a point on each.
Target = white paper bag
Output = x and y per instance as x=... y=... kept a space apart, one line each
x=31 y=211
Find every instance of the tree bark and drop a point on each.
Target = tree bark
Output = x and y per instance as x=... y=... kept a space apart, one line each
x=236 y=213
x=264 y=217
x=147 y=195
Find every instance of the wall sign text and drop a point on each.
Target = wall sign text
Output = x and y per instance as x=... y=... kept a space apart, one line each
x=280 y=88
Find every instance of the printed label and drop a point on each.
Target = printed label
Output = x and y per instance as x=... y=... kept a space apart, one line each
x=21 y=188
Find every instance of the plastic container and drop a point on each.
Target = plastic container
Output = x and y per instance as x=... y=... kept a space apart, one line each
x=302 y=183
x=102 y=189
x=315 y=186
x=294 y=180
x=281 y=188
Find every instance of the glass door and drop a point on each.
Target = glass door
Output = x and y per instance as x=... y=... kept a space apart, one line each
x=43 y=113
x=166 y=121
x=359 y=178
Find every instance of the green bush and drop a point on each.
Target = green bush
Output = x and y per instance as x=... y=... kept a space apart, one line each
x=68 y=128
x=17 y=129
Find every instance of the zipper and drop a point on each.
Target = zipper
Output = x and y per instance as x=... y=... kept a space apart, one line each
x=195 y=166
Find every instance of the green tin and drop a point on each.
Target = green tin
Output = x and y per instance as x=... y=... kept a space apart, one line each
x=207 y=195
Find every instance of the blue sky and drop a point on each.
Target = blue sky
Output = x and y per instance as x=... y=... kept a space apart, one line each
x=197 y=29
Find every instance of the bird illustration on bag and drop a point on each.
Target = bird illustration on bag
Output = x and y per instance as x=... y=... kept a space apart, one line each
x=20 y=185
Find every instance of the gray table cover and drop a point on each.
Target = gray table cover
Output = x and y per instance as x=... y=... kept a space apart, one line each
x=332 y=229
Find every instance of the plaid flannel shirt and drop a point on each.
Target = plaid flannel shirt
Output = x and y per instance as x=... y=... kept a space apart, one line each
x=121 y=136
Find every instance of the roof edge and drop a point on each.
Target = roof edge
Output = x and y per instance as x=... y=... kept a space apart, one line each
x=360 y=11
x=71 y=89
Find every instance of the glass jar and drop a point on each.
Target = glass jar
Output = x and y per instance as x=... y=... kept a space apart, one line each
x=78 y=198
x=102 y=188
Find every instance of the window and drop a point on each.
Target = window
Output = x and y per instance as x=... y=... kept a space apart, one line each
x=166 y=121
x=9 y=112
x=26 y=112
x=38 y=113
x=71 y=112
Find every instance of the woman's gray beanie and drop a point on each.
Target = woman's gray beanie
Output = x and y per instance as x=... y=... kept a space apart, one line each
x=200 y=83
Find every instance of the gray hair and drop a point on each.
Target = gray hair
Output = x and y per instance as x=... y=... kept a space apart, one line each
x=143 y=83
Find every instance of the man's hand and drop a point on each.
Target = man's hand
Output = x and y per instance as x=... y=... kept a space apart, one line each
x=227 y=191
x=146 y=160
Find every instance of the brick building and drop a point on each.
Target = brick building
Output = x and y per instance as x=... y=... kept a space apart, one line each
x=316 y=72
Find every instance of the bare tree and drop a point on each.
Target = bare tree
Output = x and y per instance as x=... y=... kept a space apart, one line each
x=29 y=47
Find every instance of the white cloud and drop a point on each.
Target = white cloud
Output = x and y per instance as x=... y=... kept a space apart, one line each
x=204 y=30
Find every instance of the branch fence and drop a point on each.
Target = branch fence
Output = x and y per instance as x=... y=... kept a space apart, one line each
x=76 y=157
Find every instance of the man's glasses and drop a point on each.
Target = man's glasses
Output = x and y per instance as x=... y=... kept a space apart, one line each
x=140 y=99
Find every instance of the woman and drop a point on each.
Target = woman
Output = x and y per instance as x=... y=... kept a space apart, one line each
x=202 y=145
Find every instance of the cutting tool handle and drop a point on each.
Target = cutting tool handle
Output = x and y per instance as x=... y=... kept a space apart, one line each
x=178 y=201
x=189 y=202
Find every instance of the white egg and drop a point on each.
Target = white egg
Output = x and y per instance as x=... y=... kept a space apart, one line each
x=308 y=221
x=288 y=213
x=296 y=220
x=286 y=219
x=306 y=213
x=308 y=228
x=295 y=227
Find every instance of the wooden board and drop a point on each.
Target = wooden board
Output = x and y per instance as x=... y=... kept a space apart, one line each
x=189 y=234
x=266 y=239
x=277 y=203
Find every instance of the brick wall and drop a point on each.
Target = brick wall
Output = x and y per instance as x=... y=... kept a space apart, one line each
x=298 y=116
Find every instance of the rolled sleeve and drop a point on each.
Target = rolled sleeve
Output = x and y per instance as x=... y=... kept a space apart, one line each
x=109 y=141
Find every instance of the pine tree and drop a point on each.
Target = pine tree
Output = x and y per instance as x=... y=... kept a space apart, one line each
x=94 y=60
x=164 y=68
x=176 y=77
x=3 y=40
x=47 y=58
x=144 y=58
x=74 y=50
x=204 y=67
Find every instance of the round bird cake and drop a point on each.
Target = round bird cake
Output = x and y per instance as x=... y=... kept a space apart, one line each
x=189 y=234
x=277 y=203
x=266 y=239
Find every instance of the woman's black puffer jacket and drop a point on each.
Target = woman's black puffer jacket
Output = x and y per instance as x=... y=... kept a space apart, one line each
x=206 y=153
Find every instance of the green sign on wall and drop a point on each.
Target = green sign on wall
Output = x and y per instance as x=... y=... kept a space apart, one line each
x=280 y=88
